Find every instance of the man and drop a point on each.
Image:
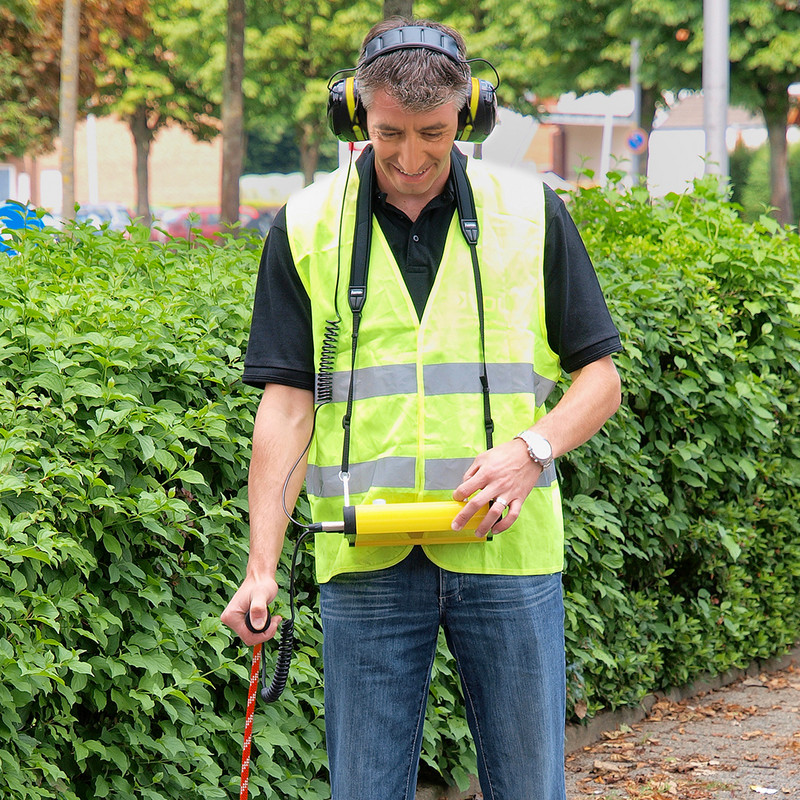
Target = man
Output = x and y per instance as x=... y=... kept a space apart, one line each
x=435 y=330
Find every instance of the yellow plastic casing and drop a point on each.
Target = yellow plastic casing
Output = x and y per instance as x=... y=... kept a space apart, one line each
x=414 y=523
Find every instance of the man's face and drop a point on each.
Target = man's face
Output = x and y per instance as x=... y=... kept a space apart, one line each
x=412 y=151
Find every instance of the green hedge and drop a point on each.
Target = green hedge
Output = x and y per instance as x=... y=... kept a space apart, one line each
x=683 y=552
x=124 y=446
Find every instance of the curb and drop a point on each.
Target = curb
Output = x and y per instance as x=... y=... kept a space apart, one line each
x=580 y=735
x=583 y=735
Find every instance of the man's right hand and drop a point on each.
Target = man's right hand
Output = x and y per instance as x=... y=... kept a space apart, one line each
x=252 y=596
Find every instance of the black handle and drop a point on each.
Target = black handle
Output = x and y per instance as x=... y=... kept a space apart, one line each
x=250 y=624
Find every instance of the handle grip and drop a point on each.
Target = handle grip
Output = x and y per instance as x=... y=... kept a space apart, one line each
x=249 y=623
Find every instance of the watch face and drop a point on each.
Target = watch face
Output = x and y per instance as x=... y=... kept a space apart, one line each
x=541 y=448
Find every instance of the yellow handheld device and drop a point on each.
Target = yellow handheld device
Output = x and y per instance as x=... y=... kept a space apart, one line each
x=379 y=523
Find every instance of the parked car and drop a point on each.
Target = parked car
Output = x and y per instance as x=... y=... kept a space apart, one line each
x=262 y=222
x=115 y=215
x=190 y=222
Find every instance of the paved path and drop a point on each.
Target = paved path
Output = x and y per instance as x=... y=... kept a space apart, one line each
x=741 y=741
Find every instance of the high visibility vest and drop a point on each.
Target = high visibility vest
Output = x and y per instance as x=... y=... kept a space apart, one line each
x=418 y=414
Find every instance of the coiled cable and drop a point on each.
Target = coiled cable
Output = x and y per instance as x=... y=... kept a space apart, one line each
x=269 y=694
x=330 y=337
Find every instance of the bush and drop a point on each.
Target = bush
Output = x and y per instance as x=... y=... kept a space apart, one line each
x=683 y=552
x=125 y=444
x=125 y=437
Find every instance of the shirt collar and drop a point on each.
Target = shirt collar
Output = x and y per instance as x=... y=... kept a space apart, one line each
x=445 y=198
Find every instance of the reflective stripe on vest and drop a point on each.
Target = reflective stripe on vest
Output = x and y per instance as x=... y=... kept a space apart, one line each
x=441 y=474
x=441 y=379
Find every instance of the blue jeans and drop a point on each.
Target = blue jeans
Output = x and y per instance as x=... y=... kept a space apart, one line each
x=506 y=634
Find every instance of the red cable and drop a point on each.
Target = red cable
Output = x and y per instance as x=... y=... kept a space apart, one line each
x=248 y=722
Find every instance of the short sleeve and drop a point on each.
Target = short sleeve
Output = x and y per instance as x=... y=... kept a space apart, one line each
x=280 y=348
x=579 y=327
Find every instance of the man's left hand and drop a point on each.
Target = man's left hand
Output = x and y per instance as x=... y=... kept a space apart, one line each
x=503 y=476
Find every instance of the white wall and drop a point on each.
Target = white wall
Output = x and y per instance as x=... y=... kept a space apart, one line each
x=674 y=160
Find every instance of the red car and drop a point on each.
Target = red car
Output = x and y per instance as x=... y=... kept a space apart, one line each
x=188 y=223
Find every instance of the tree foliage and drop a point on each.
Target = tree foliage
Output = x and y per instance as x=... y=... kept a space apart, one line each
x=585 y=45
x=125 y=68
x=26 y=126
x=30 y=44
x=297 y=53
x=291 y=49
x=21 y=129
x=144 y=83
x=502 y=32
x=20 y=10
x=765 y=61
x=142 y=72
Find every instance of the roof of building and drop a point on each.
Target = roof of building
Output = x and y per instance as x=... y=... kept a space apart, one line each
x=687 y=113
x=592 y=109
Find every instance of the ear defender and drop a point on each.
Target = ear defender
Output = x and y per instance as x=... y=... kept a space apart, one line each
x=477 y=118
x=347 y=117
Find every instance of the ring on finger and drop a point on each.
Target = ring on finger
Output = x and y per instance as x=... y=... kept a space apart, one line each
x=501 y=501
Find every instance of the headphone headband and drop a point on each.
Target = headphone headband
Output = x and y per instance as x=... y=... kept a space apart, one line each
x=411 y=36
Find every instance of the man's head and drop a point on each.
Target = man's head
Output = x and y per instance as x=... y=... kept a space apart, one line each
x=412 y=81
x=419 y=78
x=412 y=96
x=420 y=64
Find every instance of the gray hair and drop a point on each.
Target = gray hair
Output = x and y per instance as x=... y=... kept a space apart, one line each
x=417 y=78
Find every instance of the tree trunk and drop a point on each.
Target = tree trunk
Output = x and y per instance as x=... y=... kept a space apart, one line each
x=309 y=154
x=142 y=138
x=398 y=8
x=233 y=113
x=647 y=109
x=776 y=110
x=68 y=102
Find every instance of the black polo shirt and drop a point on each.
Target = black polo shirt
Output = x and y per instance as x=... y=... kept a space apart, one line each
x=280 y=349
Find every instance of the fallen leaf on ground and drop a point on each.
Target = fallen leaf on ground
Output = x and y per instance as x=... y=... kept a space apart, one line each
x=614 y=734
x=608 y=766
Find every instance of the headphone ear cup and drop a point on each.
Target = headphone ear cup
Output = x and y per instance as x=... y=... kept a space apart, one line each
x=477 y=118
x=347 y=117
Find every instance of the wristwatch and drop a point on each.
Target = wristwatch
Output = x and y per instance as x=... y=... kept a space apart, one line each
x=539 y=449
